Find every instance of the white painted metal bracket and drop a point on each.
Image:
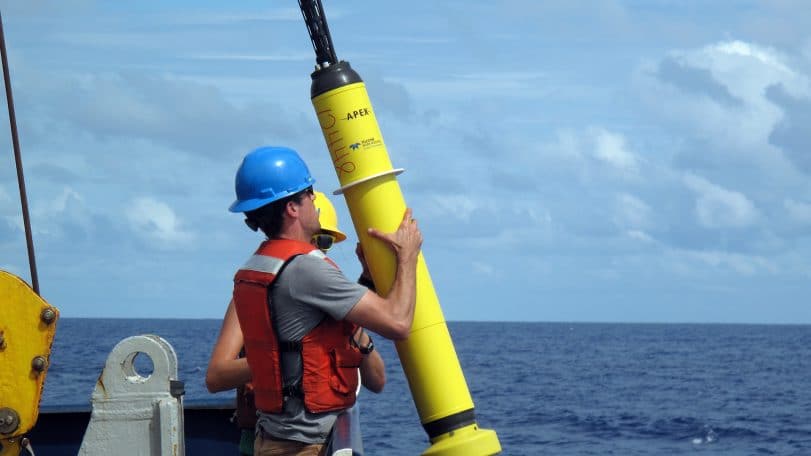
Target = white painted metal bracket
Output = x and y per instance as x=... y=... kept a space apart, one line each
x=134 y=414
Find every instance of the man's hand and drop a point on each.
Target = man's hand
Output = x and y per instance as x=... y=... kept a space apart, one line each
x=392 y=316
x=405 y=242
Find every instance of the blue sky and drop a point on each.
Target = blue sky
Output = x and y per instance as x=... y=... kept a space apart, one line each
x=568 y=161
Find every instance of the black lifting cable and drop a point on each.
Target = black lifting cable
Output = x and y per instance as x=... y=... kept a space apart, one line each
x=19 y=162
x=318 y=29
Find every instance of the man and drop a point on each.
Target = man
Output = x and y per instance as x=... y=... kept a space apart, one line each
x=301 y=318
x=228 y=368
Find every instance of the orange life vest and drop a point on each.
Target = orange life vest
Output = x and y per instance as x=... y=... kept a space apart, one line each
x=329 y=361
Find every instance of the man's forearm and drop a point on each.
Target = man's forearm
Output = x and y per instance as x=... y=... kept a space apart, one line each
x=403 y=295
x=225 y=375
x=373 y=372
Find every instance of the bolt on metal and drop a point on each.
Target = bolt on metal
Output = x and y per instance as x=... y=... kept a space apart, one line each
x=39 y=363
x=9 y=420
x=48 y=315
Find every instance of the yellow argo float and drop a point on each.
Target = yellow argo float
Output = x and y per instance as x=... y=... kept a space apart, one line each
x=27 y=329
x=368 y=181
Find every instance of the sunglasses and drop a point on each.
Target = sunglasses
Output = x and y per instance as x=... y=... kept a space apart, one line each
x=323 y=241
x=307 y=191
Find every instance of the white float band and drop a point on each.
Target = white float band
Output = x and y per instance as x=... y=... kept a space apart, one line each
x=395 y=172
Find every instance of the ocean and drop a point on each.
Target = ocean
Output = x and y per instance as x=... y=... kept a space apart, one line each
x=545 y=388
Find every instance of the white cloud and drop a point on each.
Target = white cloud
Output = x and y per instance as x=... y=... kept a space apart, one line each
x=253 y=57
x=725 y=102
x=540 y=216
x=4 y=196
x=631 y=212
x=767 y=56
x=483 y=268
x=639 y=236
x=60 y=203
x=798 y=211
x=66 y=214
x=158 y=108
x=747 y=265
x=230 y=18
x=610 y=148
x=591 y=153
x=568 y=145
x=155 y=221
x=717 y=207
x=414 y=39
x=456 y=206
x=508 y=84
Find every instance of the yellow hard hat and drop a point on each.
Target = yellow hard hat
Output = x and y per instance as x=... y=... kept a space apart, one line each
x=327 y=216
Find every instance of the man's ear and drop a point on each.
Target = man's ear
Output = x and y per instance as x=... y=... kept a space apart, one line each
x=292 y=209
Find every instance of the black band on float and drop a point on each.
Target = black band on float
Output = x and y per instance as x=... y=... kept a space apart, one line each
x=332 y=77
x=450 y=423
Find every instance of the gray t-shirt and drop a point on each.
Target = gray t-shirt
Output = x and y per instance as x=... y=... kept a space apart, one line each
x=307 y=290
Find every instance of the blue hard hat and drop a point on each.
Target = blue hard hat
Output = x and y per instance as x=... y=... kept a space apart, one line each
x=268 y=174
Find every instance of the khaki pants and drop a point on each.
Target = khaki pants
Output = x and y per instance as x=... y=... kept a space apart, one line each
x=268 y=446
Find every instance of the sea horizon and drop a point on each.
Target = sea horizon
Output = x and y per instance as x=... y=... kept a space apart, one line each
x=585 y=387
x=618 y=322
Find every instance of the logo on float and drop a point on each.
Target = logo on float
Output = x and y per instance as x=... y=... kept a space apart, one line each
x=351 y=115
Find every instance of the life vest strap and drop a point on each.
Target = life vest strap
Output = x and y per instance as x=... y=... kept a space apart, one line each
x=293 y=391
x=290 y=346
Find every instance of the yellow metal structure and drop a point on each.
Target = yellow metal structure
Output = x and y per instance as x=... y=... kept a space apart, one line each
x=10 y=447
x=27 y=329
x=374 y=199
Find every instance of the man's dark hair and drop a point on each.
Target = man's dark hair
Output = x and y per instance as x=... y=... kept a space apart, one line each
x=269 y=217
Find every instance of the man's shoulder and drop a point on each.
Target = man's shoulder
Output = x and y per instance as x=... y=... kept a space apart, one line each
x=306 y=261
x=307 y=268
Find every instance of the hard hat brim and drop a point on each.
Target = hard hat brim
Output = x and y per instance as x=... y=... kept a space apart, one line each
x=338 y=235
x=249 y=205
x=256 y=203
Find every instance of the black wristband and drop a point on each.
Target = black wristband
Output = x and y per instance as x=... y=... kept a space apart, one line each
x=370 y=347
